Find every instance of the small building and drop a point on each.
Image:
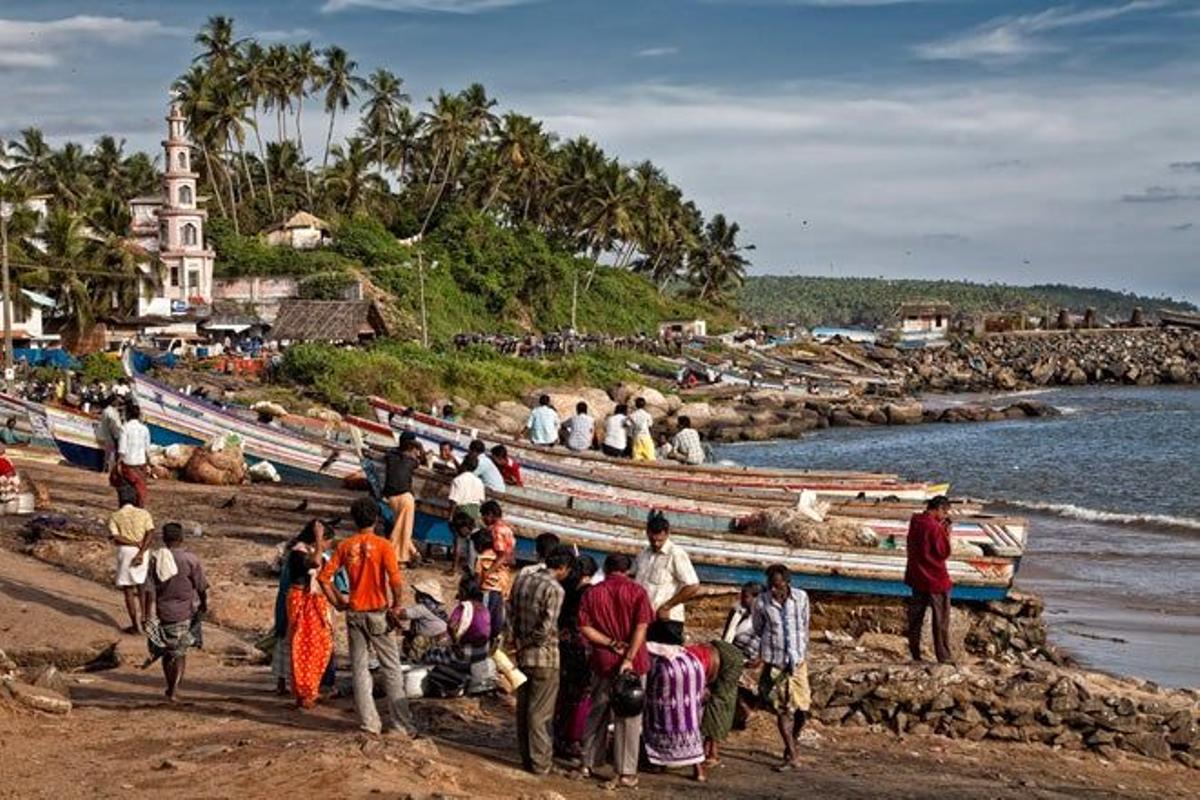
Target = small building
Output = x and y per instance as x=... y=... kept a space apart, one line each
x=27 y=327
x=332 y=321
x=687 y=329
x=925 y=321
x=302 y=231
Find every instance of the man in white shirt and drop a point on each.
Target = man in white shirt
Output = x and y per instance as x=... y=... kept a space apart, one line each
x=466 y=490
x=667 y=574
x=640 y=423
x=132 y=450
x=580 y=429
x=109 y=431
x=543 y=423
x=616 y=433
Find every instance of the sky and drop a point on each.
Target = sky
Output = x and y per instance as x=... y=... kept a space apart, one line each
x=1017 y=141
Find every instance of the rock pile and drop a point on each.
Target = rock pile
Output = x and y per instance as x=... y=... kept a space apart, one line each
x=1048 y=705
x=1005 y=362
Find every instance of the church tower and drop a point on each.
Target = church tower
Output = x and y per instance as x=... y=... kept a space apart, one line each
x=186 y=259
x=171 y=225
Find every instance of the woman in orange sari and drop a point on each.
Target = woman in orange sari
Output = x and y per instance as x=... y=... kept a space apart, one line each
x=310 y=627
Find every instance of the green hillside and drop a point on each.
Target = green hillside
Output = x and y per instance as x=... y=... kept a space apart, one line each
x=807 y=300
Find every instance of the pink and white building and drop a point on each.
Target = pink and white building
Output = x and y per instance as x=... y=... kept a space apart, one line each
x=171 y=225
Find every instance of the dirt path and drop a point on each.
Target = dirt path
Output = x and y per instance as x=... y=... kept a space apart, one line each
x=231 y=737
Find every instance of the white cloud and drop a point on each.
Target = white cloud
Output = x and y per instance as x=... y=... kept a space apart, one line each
x=26 y=44
x=290 y=35
x=448 y=6
x=657 y=52
x=1017 y=38
x=875 y=172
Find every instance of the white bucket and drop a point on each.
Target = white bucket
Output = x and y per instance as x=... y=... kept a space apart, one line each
x=414 y=679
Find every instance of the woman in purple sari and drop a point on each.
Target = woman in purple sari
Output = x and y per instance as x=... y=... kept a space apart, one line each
x=674 y=708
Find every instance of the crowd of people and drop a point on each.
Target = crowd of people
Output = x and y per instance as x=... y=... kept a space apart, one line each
x=566 y=343
x=600 y=656
x=623 y=434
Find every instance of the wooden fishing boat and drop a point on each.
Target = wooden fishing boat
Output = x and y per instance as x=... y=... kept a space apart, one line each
x=74 y=432
x=176 y=418
x=766 y=486
x=727 y=559
x=398 y=416
x=1182 y=319
x=31 y=420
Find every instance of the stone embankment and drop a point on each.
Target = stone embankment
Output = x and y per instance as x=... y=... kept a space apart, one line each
x=1141 y=357
x=752 y=416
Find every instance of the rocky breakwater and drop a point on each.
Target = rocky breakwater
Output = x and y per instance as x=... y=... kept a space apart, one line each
x=1004 y=362
x=1065 y=708
x=750 y=416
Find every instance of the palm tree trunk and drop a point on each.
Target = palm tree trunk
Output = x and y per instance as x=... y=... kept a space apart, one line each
x=212 y=179
x=266 y=165
x=246 y=169
x=593 y=245
x=329 y=137
x=232 y=199
x=441 y=190
x=300 y=147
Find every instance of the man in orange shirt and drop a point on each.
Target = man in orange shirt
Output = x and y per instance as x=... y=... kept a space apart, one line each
x=370 y=562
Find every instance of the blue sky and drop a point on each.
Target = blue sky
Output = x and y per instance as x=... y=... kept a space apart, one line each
x=1010 y=140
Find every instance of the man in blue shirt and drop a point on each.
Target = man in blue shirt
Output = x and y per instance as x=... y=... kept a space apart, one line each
x=543 y=423
x=487 y=471
x=780 y=620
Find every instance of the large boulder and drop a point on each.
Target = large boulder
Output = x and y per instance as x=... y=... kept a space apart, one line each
x=564 y=400
x=626 y=393
x=903 y=413
x=489 y=420
x=699 y=413
x=38 y=698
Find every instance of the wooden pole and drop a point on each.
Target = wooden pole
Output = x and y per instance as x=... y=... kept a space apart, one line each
x=424 y=318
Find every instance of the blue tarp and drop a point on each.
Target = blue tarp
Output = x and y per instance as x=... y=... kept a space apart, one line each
x=142 y=362
x=45 y=357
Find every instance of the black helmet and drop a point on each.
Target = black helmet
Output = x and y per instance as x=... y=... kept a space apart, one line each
x=628 y=695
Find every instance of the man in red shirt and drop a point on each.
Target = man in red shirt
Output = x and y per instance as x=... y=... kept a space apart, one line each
x=926 y=574
x=614 y=616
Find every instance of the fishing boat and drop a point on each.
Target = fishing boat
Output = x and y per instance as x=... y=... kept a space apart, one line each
x=1181 y=319
x=745 y=482
x=177 y=418
x=31 y=419
x=74 y=432
x=725 y=559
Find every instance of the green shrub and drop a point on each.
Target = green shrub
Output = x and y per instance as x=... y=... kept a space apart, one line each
x=103 y=367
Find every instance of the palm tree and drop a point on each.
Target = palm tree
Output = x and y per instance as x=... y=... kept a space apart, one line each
x=401 y=141
x=341 y=85
x=219 y=50
x=254 y=79
x=28 y=158
x=479 y=109
x=526 y=153
x=277 y=68
x=67 y=176
x=608 y=213
x=305 y=74
x=382 y=109
x=350 y=180
x=450 y=128
x=105 y=164
x=720 y=265
x=193 y=89
x=139 y=175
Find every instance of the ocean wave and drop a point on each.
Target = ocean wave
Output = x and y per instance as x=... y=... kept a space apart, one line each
x=1098 y=515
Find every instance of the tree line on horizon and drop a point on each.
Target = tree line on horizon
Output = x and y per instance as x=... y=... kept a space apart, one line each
x=814 y=300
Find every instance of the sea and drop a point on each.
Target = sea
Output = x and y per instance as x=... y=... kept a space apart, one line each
x=1112 y=492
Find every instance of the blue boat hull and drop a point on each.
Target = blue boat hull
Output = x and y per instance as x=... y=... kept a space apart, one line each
x=431 y=529
x=82 y=456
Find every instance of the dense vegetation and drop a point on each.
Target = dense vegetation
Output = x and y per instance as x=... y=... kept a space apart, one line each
x=873 y=301
x=408 y=373
x=513 y=216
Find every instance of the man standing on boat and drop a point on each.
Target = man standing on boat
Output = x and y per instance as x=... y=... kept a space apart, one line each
x=927 y=576
x=399 y=465
x=543 y=423
x=666 y=572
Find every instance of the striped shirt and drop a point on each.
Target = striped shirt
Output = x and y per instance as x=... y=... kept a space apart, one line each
x=581 y=429
x=782 y=628
x=537 y=599
x=687 y=447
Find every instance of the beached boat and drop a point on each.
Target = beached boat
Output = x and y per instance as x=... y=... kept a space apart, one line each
x=1182 y=319
x=177 y=418
x=744 y=482
x=726 y=559
x=31 y=419
x=74 y=432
